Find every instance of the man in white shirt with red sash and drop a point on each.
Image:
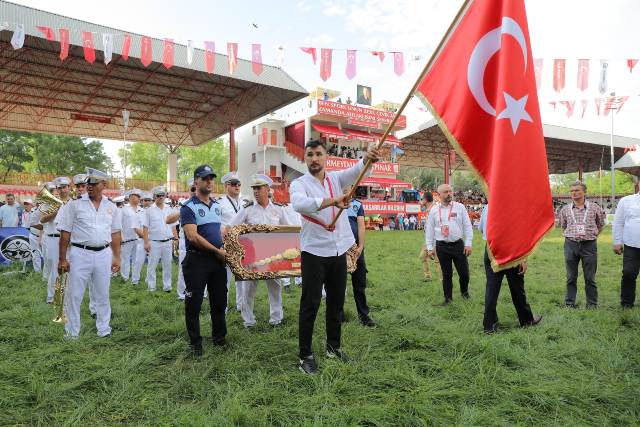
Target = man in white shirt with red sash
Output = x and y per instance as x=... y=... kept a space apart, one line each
x=318 y=197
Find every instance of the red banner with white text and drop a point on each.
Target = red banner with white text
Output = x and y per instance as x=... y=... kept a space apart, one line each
x=379 y=168
x=360 y=115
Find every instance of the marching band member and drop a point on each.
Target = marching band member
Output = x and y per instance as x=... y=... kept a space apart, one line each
x=317 y=196
x=131 y=232
x=80 y=184
x=204 y=262
x=232 y=205
x=51 y=187
x=35 y=235
x=90 y=224
x=141 y=254
x=52 y=235
x=263 y=211
x=158 y=238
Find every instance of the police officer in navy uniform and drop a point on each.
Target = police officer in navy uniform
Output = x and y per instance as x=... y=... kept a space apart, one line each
x=204 y=262
x=359 y=276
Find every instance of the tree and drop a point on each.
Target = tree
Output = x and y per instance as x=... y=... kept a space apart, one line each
x=14 y=152
x=146 y=161
x=66 y=155
x=596 y=182
x=214 y=153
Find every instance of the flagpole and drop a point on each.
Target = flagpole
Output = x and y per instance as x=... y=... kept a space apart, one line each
x=391 y=125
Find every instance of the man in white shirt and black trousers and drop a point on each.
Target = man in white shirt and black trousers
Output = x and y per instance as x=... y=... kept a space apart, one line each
x=318 y=197
x=626 y=242
x=449 y=227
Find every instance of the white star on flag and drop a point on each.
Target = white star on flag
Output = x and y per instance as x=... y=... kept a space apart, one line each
x=515 y=111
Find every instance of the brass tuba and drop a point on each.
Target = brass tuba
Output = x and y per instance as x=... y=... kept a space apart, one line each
x=58 y=298
x=48 y=202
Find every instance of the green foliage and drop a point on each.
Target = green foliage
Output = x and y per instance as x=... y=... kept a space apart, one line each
x=67 y=155
x=423 y=365
x=214 y=153
x=424 y=178
x=14 y=152
x=596 y=182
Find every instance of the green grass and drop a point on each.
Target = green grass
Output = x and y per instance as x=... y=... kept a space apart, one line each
x=424 y=365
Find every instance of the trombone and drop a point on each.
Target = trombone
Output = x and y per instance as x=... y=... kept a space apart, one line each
x=60 y=288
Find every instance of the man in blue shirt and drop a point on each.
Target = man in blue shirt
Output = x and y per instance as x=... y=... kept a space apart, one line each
x=359 y=276
x=204 y=262
x=515 y=279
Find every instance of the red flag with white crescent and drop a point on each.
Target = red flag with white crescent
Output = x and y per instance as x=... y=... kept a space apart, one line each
x=87 y=46
x=209 y=56
x=167 y=53
x=311 y=51
x=398 y=63
x=481 y=89
x=351 y=64
x=232 y=57
x=64 y=43
x=256 y=59
x=325 y=63
x=47 y=32
x=631 y=63
x=583 y=74
x=146 y=51
x=558 y=74
x=126 y=45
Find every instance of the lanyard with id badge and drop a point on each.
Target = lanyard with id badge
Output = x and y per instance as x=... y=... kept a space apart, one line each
x=581 y=228
x=444 y=228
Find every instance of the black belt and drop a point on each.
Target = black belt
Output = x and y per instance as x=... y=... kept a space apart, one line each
x=127 y=241
x=53 y=235
x=442 y=242
x=37 y=235
x=162 y=241
x=90 y=248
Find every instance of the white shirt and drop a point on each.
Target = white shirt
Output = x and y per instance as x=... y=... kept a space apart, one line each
x=230 y=207
x=156 y=222
x=256 y=214
x=307 y=194
x=626 y=222
x=89 y=226
x=456 y=217
x=9 y=215
x=34 y=219
x=130 y=221
x=293 y=217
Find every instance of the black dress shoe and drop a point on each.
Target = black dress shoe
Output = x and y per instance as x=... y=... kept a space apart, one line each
x=220 y=342
x=196 y=350
x=536 y=319
x=368 y=322
x=338 y=354
x=447 y=301
x=308 y=365
x=466 y=295
x=492 y=329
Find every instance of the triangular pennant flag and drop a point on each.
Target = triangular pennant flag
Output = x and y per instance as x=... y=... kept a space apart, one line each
x=570 y=105
x=558 y=74
x=351 y=64
x=280 y=56
x=631 y=63
x=584 y=107
x=47 y=32
x=398 y=63
x=88 y=47
x=189 y=51
x=17 y=40
x=602 y=84
x=311 y=51
x=608 y=104
x=537 y=67
x=379 y=54
x=64 y=43
x=232 y=57
x=107 y=46
x=146 y=52
x=553 y=104
x=325 y=63
x=256 y=59
x=621 y=102
x=126 y=45
x=167 y=53
x=209 y=56
x=583 y=74
x=598 y=104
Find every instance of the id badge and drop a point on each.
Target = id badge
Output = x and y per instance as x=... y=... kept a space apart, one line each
x=580 y=230
x=445 y=230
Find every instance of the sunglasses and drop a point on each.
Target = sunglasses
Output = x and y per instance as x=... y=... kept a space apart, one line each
x=234 y=183
x=161 y=195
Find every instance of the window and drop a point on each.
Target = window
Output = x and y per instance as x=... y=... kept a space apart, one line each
x=274 y=137
x=253 y=157
x=272 y=171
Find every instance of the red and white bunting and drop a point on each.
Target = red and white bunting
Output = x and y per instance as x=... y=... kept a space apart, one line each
x=583 y=74
x=558 y=74
x=351 y=64
x=64 y=43
x=232 y=57
x=602 y=83
x=311 y=51
x=325 y=63
x=398 y=63
x=537 y=66
x=167 y=53
x=569 y=105
x=379 y=54
x=256 y=59
x=17 y=39
x=209 y=56
x=146 y=51
x=107 y=47
x=598 y=102
x=47 y=32
x=584 y=107
x=126 y=45
x=631 y=63
x=88 y=47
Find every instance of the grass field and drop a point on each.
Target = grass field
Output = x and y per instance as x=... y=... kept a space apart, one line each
x=423 y=365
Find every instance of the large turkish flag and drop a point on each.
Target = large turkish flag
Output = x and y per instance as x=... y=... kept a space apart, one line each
x=482 y=90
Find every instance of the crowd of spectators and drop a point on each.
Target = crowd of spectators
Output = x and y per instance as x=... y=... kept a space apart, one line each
x=346 y=152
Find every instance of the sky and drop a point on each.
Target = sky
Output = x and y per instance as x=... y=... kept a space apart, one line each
x=571 y=29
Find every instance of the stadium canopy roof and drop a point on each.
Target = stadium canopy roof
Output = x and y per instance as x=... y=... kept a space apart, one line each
x=568 y=149
x=183 y=105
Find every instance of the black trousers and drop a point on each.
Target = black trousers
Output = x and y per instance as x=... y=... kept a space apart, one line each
x=587 y=252
x=448 y=253
x=316 y=271
x=630 y=268
x=518 y=296
x=202 y=270
x=359 y=283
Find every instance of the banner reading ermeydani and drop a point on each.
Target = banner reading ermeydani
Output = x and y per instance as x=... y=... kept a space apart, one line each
x=14 y=245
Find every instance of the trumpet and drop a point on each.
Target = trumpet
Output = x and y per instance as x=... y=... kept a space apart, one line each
x=58 y=298
x=48 y=202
